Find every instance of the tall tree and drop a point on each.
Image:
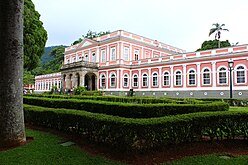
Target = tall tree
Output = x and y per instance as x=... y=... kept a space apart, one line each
x=217 y=30
x=56 y=63
x=12 y=130
x=35 y=36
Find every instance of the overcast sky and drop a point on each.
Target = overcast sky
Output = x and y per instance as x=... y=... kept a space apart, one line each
x=181 y=23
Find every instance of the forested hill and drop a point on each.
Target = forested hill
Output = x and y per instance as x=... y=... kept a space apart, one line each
x=45 y=58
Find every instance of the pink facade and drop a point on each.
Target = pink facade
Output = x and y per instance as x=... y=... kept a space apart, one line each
x=46 y=82
x=123 y=61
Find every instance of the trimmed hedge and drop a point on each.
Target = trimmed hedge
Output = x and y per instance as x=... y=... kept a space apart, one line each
x=141 y=134
x=149 y=100
x=123 y=99
x=126 y=109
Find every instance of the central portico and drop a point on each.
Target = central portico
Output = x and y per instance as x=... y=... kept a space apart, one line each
x=80 y=74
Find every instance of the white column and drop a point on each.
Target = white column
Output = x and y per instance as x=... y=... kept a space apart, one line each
x=58 y=84
x=130 y=79
x=42 y=85
x=160 y=78
x=214 y=74
x=149 y=78
x=117 y=78
x=45 y=84
x=184 y=76
x=139 y=80
x=107 y=78
x=97 y=55
x=121 y=79
x=107 y=54
x=171 y=76
x=198 y=71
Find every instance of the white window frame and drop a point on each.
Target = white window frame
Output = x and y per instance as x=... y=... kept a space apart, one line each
x=93 y=57
x=203 y=73
x=226 y=72
x=167 y=74
x=86 y=57
x=135 y=84
x=101 y=82
x=175 y=78
x=125 y=76
x=189 y=77
x=146 y=82
x=79 y=58
x=126 y=53
x=112 y=54
x=236 y=73
x=111 y=77
x=155 y=79
x=103 y=55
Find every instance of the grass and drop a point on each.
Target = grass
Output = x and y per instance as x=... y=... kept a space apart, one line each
x=46 y=149
x=238 y=108
x=211 y=159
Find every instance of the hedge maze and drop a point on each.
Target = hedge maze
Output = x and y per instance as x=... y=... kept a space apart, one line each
x=137 y=124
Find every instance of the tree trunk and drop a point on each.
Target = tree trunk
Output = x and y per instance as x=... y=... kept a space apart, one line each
x=12 y=130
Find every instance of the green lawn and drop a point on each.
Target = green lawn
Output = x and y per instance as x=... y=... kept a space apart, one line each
x=45 y=149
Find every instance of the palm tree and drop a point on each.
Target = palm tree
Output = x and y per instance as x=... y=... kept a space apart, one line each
x=12 y=131
x=217 y=30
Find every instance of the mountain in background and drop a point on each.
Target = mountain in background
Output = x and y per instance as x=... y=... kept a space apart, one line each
x=45 y=58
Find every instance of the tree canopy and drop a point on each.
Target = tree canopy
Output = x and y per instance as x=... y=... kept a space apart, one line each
x=213 y=44
x=35 y=36
x=90 y=35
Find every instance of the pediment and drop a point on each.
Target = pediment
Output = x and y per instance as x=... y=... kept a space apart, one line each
x=86 y=42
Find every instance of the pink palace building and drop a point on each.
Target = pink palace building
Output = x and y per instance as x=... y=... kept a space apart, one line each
x=120 y=61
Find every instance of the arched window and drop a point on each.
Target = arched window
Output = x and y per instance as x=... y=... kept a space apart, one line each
x=125 y=80
x=103 y=81
x=192 y=77
x=178 y=78
x=166 y=79
x=112 y=80
x=154 y=79
x=93 y=57
x=222 y=76
x=240 y=75
x=145 y=80
x=206 y=77
x=86 y=57
x=135 y=81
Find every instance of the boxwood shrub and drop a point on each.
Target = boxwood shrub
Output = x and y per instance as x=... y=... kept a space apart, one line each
x=126 y=109
x=141 y=134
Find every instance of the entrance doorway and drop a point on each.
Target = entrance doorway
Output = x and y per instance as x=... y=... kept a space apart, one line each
x=90 y=81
